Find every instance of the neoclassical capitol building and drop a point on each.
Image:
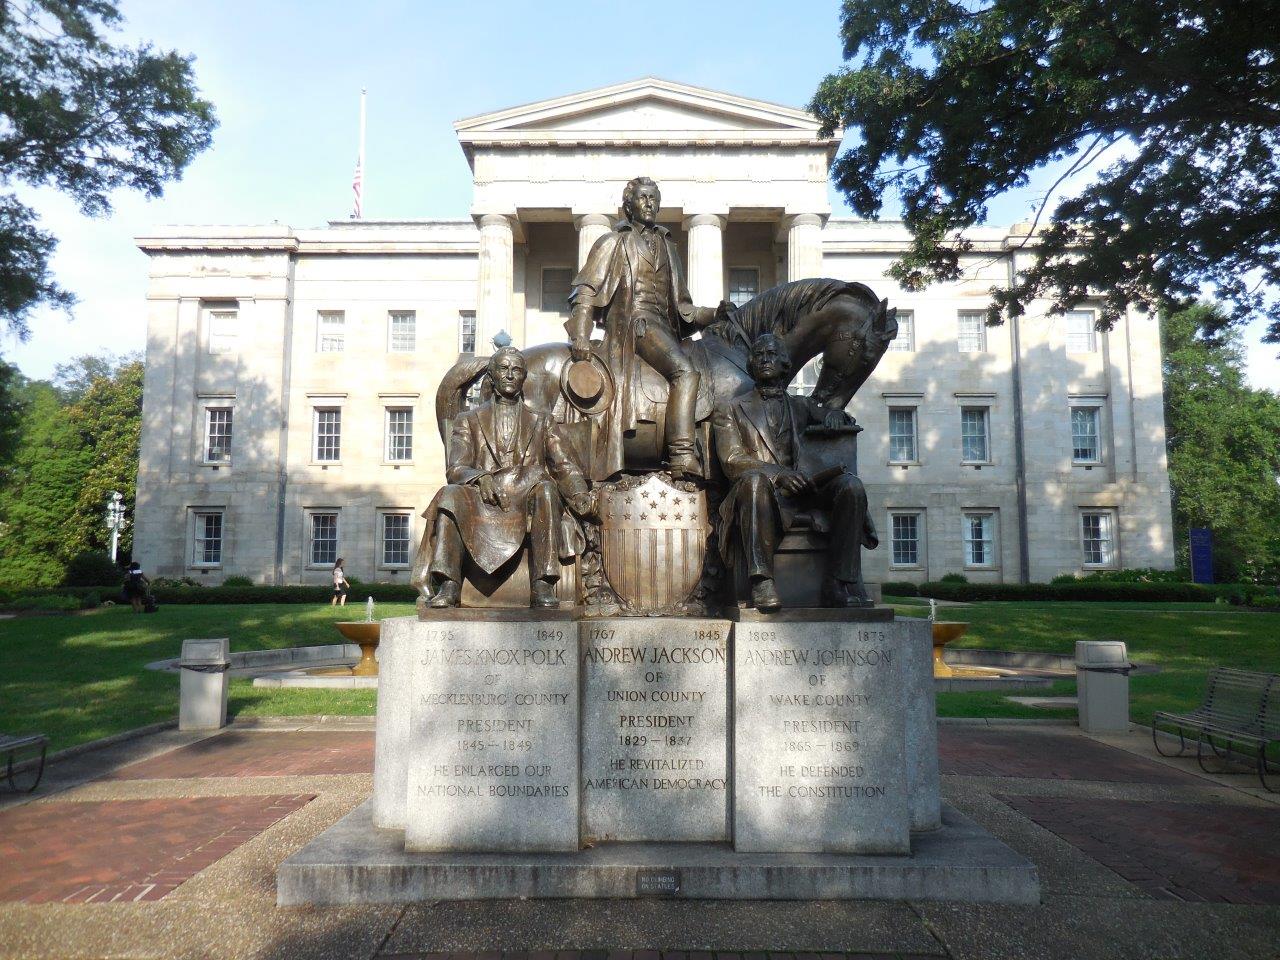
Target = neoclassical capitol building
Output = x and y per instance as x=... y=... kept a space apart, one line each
x=289 y=403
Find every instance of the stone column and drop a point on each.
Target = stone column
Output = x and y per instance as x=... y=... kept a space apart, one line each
x=804 y=246
x=591 y=227
x=497 y=278
x=706 y=258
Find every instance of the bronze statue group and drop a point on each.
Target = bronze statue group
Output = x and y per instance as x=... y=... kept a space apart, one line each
x=514 y=481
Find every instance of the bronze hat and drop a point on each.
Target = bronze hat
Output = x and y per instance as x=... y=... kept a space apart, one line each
x=587 y=384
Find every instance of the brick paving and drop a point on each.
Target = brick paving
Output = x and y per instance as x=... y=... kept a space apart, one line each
x=124 y=850
x=974 y=751
x=275 y=754
x=1174 y=851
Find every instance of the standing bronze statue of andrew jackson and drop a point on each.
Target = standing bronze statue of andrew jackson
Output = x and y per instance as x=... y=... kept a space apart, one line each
x=630 y=473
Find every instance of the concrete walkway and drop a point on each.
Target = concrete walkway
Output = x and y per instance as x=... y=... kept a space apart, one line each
x=166 y=846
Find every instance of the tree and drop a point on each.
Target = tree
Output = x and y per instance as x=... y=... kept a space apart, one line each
x=1224 y=445
x=77 y=442
x=38 y=516
x=958 y=101
x=86 y=117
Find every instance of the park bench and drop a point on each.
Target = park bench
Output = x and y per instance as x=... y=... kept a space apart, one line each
x=12 y=746
x=1240 y=715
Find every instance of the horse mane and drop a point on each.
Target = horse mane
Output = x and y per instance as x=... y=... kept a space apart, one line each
x=779 y=308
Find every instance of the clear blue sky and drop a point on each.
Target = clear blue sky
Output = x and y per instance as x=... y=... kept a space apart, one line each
x=285 y=78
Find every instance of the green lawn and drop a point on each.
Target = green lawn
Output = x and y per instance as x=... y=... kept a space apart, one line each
x=1185 y=641
x=80 y=677
x=77 y=678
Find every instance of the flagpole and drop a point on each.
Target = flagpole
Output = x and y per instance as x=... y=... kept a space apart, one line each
x=357 y=182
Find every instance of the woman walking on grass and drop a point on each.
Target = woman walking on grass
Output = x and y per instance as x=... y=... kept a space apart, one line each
x=340 y=586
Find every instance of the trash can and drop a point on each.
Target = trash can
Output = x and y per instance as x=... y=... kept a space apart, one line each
x=202 y=699
x=1102 y=682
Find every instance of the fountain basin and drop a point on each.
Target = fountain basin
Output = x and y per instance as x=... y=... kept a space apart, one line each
x=366 y=633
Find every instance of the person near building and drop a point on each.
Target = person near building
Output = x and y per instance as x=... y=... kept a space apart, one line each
x=136 y=587
x=631 y=285
x=340 y=585
x=508 y=475
x=759 y=440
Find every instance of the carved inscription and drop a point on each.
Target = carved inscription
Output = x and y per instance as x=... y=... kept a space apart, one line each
x=494 y=728
x=820 y=738
x=655 y=744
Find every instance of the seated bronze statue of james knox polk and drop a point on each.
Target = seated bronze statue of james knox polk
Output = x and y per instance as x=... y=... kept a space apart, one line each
x=759 y=439
x=507 y=471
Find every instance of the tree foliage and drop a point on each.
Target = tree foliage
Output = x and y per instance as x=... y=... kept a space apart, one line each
x=86 y=117
x=76 y=444
x=1224 y=446
x=958 y=101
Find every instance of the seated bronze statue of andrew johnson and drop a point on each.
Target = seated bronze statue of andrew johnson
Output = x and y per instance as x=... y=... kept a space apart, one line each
x=759 y=439
x=508 y=476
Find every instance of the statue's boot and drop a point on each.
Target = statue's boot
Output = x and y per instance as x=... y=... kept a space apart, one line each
x=764 y=595
x=682 y=453
x=448 y=594
x=543 y=594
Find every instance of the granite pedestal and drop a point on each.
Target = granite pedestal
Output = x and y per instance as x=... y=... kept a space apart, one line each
x=782 y=756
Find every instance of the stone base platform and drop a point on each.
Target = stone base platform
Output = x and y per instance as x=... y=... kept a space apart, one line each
x=355 y=862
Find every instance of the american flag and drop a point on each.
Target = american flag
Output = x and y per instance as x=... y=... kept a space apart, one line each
x=357 y=182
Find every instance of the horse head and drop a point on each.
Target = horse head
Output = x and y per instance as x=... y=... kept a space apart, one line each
x=858 y=329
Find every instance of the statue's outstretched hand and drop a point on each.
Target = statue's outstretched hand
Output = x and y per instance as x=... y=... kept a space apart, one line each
x=724 y=311
x=580 y=349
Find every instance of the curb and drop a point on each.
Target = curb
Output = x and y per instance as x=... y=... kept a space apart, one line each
x=67 y=753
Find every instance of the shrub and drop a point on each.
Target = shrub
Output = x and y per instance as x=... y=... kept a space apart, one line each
x=1079 y=591
x=1133 y=575
x=157 y=582
x=237 y=581
x=92 y=569
x=381 y=593
x=899 y=588
x=955 y=578
x=49 y=602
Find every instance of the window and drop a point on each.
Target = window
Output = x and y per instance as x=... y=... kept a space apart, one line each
x=217 y=434
x=331 y=331
x=905 y=341
x=974 y=447
x=979 y=539
x=207 y=540
x=744 y=284
x=1096 y=538
x=399 y=434
x=395 y=539
x=328 y=433
x=1082 y=332
x=902 y=434
x=223 y=323
x=1085 y=447
x=557 y=284
x=972 y=334
x=322 y=546
x=905 y=539
x=402 y=331
x=802 y=383
x=467 y=331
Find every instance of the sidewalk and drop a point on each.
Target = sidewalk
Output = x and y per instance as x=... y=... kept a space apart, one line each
x=166 y=846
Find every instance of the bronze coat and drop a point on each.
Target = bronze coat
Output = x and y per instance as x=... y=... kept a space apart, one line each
x=603 y=293
x=744 y=443
x=493 y=535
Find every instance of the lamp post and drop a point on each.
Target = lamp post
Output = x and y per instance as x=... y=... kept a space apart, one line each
x=115 y=520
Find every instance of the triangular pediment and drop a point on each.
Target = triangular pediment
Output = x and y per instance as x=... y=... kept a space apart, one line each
x=640 y=110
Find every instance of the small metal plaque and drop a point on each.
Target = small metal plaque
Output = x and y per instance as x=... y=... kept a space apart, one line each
x=657 y=883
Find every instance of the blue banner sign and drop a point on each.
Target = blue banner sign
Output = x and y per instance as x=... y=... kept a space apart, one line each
x=1201 y=555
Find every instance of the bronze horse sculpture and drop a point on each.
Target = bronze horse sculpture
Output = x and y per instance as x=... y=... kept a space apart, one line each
x=843 y=322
